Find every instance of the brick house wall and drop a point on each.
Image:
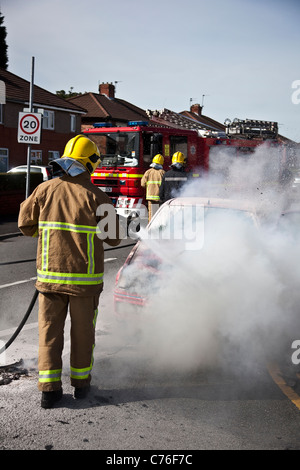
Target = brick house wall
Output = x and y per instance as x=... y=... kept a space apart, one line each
x=17 y=97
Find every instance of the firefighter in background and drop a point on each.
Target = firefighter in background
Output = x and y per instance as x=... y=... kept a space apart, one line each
x=70 y=264
x=173 y=179
x=151 y=180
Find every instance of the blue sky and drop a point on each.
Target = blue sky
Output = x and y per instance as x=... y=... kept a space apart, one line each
x=242 y=55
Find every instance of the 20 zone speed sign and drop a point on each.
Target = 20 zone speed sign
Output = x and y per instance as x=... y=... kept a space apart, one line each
x=29 y=129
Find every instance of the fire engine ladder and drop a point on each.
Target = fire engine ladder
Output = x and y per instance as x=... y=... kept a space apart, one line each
x=251 y=128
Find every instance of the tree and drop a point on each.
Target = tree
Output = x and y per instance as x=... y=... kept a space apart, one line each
x=3 y=45
x=69 y=94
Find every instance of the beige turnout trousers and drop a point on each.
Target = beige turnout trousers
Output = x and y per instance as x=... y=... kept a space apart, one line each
x=53 y=309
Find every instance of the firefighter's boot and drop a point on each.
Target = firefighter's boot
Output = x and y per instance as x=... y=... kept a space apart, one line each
x=81 y=392
x=50 y=398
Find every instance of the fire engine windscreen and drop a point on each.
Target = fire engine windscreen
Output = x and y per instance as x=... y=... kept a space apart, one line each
x=118 y=149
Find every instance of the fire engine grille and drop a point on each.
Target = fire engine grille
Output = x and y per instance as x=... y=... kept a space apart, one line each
x=105 y=182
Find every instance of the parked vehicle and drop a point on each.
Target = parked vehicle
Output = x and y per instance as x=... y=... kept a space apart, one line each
x=45 y=170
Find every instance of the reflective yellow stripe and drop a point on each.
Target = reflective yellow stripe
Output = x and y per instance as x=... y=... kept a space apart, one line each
x=89 y=278
x=81 y=374
x=50 y=375
x=152 y=197
x=69 y=278
x=118 y=175
x=70 y=227
x=95 y=318
x=45 y=249
x=90 y=252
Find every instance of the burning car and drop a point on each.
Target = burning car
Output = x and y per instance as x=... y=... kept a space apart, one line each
x=182 y=230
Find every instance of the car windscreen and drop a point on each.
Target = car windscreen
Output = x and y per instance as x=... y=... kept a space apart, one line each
x=180 y=232
x=190 y=222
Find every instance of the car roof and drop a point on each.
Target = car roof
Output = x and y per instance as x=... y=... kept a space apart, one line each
x=31 y=166
x=238 y=204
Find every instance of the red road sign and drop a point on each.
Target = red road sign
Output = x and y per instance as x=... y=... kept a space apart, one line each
x=29 y=129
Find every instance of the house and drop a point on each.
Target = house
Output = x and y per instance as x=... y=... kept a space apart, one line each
x=186 y=120
x=104 y=107
x=61 y=120
x=195 y=113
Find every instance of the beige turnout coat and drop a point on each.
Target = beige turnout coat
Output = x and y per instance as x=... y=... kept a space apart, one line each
x=151 y=180
x=62 y=213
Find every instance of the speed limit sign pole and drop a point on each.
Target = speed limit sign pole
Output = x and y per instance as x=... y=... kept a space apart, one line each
x=29 y=146
x=29 y=132
x=29 y=129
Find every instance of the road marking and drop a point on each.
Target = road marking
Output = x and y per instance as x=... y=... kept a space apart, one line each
x=275 y=373
x=18 y=282
x=109 y=259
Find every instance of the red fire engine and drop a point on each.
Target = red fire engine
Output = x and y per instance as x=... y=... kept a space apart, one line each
x=128 y=151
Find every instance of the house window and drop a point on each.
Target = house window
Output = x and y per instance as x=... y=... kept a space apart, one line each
x=53 y=155
x=73 y=122
x=48 y=120
x=3 y=160
x=36 y=157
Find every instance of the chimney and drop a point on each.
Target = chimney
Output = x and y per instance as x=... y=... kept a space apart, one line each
x=197 y=109
x=107 y=89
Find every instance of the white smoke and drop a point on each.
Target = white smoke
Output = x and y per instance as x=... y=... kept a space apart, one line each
x=237 y=300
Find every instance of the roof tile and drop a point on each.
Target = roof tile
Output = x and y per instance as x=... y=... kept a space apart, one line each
x=99 y=106
x=18 y=90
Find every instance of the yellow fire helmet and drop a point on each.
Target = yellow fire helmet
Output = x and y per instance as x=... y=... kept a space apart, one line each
x=178 y=157
x=159 y=159
x=83 y=150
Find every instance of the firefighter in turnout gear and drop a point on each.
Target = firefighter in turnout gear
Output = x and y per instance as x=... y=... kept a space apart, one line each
x=173 y=179
x=62 y=213
x=151 y=180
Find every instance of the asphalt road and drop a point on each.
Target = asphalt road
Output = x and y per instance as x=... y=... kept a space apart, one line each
x=134 y=403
